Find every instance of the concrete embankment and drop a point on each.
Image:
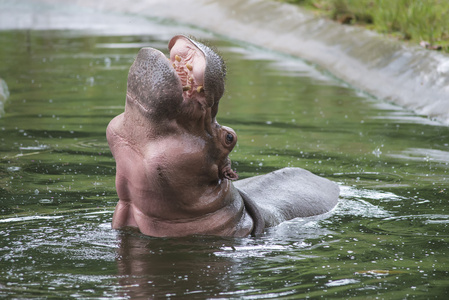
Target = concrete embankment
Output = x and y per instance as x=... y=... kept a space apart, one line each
x=410 y=76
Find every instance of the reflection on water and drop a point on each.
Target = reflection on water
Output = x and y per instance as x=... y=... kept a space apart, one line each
x=152 y=267
x=387 y=238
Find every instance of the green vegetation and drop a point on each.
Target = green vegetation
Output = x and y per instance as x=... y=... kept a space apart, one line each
x=418 y=21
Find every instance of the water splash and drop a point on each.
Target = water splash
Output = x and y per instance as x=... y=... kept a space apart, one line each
x=4 y=95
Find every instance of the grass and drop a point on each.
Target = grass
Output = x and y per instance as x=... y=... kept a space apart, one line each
x=424 y=22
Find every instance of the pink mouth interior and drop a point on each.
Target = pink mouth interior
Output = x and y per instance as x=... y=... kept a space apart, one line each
x=190 y=64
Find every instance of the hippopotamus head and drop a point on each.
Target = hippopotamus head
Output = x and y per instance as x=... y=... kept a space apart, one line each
x=182 y=93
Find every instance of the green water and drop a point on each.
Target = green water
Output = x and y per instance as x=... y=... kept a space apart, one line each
x=387 y=238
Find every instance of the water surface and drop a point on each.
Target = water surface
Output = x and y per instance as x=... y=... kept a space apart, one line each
x=387 y=238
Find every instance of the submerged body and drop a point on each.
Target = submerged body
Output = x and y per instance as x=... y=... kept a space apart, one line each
x=173 y=170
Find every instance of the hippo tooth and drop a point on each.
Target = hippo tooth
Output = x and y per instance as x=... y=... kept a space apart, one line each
x=177 y=57
x=200 y=89
x=186 y=88
x=189 y=66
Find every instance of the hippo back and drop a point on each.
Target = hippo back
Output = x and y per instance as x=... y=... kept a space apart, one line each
x=290 y=193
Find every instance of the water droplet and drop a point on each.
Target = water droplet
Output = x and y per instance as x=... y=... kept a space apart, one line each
x=46 y=201
x=107 y=62
x=91 y=81
x=13 y=169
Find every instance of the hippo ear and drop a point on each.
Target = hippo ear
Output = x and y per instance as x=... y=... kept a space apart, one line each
x=227 y=172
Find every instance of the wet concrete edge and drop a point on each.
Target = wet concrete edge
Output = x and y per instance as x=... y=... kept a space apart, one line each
x=409 y=76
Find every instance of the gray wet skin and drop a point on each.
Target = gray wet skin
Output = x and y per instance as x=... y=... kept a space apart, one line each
x=174 y=176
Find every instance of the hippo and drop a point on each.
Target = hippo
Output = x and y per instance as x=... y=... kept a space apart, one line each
x=173 y=172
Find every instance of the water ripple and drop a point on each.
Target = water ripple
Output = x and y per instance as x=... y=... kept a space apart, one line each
x=29 y=218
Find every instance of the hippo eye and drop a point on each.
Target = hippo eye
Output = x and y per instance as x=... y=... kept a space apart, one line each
x=229 y=138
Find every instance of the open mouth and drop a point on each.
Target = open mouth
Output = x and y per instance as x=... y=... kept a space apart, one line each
x=189 y=63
